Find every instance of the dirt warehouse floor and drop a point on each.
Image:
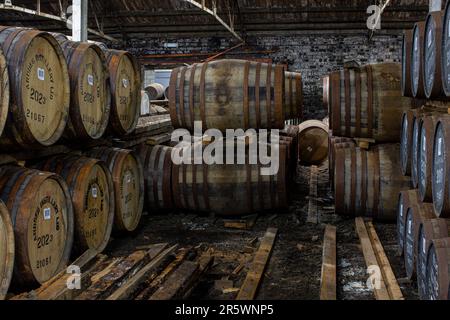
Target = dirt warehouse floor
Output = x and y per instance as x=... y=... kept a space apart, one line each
x=294 y=269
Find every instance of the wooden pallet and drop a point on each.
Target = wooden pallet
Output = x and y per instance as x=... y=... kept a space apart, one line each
x=328 y=278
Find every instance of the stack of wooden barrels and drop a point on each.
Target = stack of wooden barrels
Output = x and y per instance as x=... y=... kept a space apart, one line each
x=422 y=220
x=51 y=90
x=365 y=107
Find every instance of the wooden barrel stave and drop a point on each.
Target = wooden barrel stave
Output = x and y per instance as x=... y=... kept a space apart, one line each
x=417 y=73
x=313 y=142
x=293 y=96
x=414 y=217
x=228 y=94
x=40 y=88
x=7 y=250
x=441 y=168
x=445 y=62
x=428 y=231
x=438 y=269
x=406 y=200
x=92 y=193
x=125 y=84
x=406 y=63
x=335 y=143
x=128 y=180
x=43 y=246
x=4 y=91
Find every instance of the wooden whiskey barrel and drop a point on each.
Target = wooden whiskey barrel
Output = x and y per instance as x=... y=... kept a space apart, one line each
x=90 y=102
x=406 y=140
x=293 y=96
x=334 y=144
x=425 y=156
x=125 y=84
x=415 y=149
x=6 y=250
x=367 y=183
x=367 y=102
x=228 y=94
x=4 y=91
x=42 y=216
x=406 y=200
x=40 y=88
x=414 y=217
x=428 y=231
x=438 y=269
x=155 y=91
x=417 y=65
x=441 y=168
x=313 y=142
x=128 y=180
x=166 y=93
x=406 y=63
x=92 y=193
x=432 y=48
x=157 y=164
x=211 y=188
x=445 y=52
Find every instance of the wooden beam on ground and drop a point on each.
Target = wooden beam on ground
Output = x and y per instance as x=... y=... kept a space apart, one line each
x=313 y=212
x=252 y=281
x=381 y=292
x=127 y=290
x=389 y=277
x=328 y=280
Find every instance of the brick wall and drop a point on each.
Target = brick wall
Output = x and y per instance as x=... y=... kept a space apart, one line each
x=314 y=55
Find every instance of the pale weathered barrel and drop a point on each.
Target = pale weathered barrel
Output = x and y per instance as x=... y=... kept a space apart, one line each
x=441 y=168
x=406 y=200
x=326 y=94
x=7 y=249
x=438 y=270
x=40 y=88
x=213 y=188
x=92 y=193
x=4 y=91
x=367 y=102
x=125 y=84
x=417 y=65
x=335 y=143
x=406 y=63
x=128 y=180
x=445 y=62
x=367 y=183
x=313 y=142
x=90 y=102
x=427 y=128
x=432 y=51
x=42 y=216
x=145 y=103
x=414 y=217
x=228 y=94
x=155 y=91
x=157 y=164
x=293 y=85
x=428 y=231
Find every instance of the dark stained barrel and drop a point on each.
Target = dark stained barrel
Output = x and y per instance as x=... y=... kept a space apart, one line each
x=428 y=231
x=432 y=48
x=445 y=62
x=367 y=183
x=425 y=157
x=406 y=63
x=4 y=91
x=228 y=94
x=417 y=81
x=39 y=88
x=406 y=141
x=157 y=164
x=414 y=217
x=293 y=96
x=367 y=102
x=415 y=149
x=125 y=84
x=438 y=270
x=128 y=180
x=313 y=142
x=335 y=143
x=42 y=215
x=213 y=188
x=92 y=193
x=90 y=102
x=441 y=168
x=406 y=200
x=7 y=250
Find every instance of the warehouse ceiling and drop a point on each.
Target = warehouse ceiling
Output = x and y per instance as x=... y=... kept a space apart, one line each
x=141 y=19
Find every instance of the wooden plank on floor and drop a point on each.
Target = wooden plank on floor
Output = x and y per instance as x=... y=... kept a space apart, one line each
x=328 y=280
x=313 y=212
x=389 y=277
x=381 y=292
x=127 y=289
x=252 y=281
